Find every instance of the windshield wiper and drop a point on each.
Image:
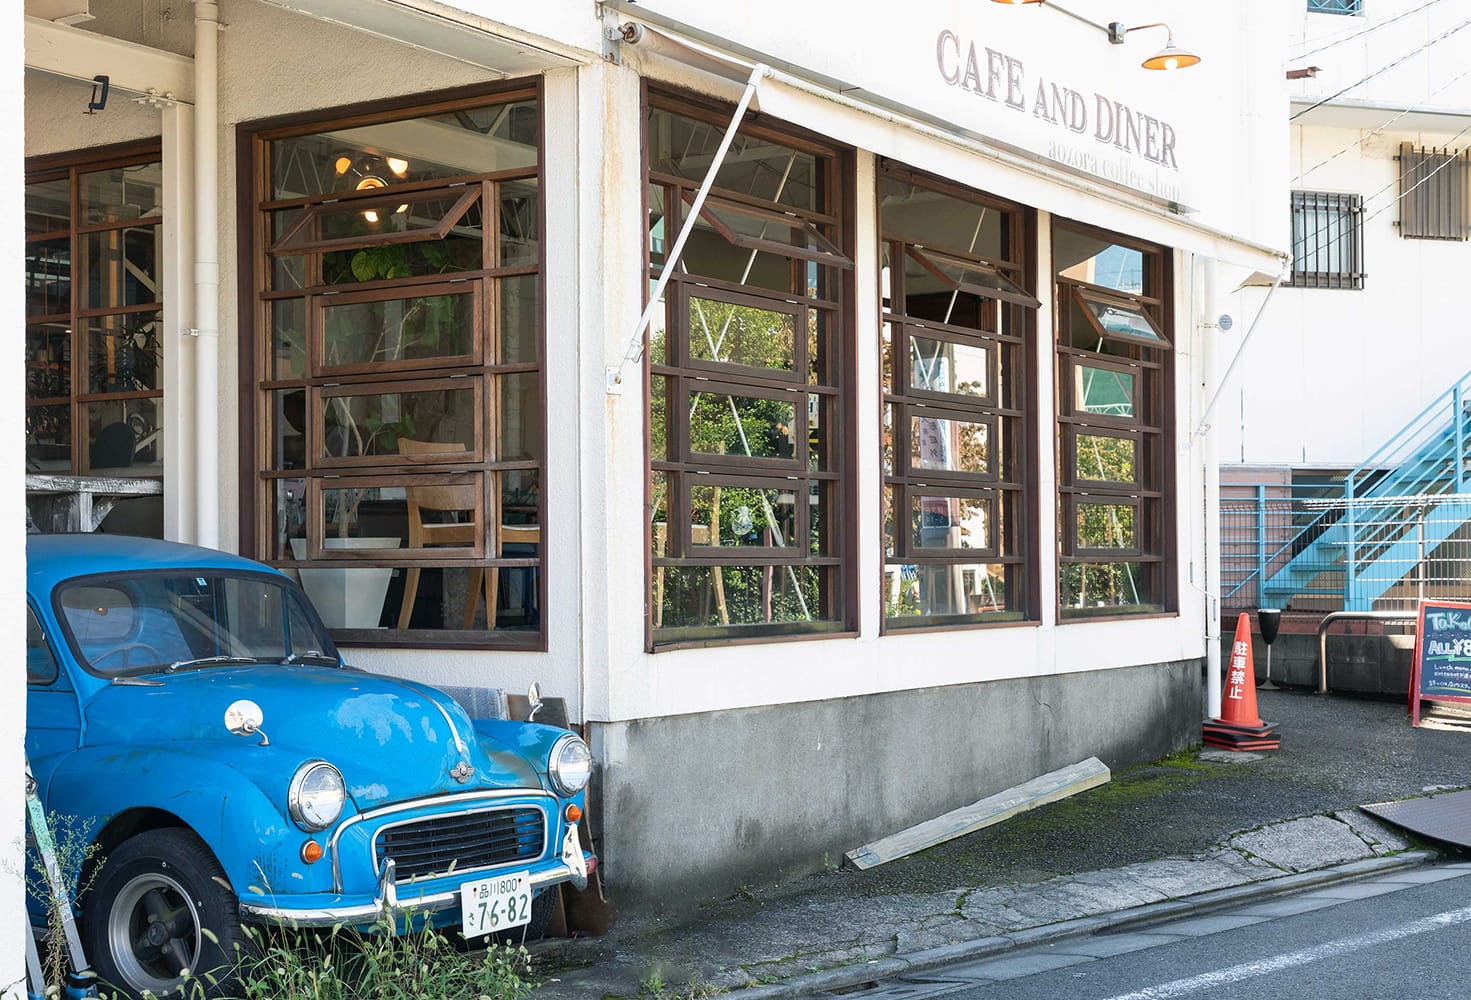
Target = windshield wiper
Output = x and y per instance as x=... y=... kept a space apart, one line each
x=205 y=661
x=312 y=656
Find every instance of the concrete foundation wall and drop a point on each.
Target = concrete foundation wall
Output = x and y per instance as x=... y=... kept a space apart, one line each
x=1377 y=665
x=693 y=806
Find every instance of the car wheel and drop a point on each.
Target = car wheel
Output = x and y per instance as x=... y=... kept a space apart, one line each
x=160 y=916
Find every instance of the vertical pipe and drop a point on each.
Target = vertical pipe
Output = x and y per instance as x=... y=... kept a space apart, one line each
x=1261 y=545
x=1350 y=547
x=1211 y=469
x=206 y=273
x=1458 y=421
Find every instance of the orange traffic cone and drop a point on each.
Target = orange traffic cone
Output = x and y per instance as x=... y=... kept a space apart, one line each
x=1240 y=727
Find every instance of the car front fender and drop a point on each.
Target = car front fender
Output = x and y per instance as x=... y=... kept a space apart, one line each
x=246 y=828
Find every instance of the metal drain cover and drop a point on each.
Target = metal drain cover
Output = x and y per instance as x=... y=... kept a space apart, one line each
x=900 y=990
x=1446 y=818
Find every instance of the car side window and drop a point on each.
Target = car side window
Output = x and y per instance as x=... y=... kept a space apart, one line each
x=40 y=663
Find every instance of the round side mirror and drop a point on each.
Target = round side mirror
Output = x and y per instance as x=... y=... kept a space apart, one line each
x=244 y=717
x=533 y=701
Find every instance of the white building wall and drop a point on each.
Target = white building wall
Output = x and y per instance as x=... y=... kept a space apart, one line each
x=1332 y=374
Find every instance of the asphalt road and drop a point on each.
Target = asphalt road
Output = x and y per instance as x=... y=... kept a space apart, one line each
x=1404 y=935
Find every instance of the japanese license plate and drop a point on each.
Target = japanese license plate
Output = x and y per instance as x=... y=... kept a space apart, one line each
x=495 y=904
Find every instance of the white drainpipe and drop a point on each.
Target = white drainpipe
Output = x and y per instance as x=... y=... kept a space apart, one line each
x=206 y=273
x=1211 y=468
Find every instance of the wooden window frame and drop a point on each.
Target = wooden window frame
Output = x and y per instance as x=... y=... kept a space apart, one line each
x=482 y=367
x=73 y=166
x=823 y=377
x=1150 y=364
x=1004 y=333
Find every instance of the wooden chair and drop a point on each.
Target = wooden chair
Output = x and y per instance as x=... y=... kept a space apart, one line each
x=459 y=499
x=700 y=534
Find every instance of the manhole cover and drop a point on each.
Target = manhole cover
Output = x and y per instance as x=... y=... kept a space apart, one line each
x=1445 y=818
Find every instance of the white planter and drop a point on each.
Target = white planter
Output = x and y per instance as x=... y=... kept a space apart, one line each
x=347 y=596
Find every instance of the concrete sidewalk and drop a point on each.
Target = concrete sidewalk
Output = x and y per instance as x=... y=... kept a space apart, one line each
x=1188 y=834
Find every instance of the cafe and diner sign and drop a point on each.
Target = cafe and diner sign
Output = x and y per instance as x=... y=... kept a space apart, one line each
x=1092 y=129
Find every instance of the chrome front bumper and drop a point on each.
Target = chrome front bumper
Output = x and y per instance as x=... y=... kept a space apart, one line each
x=387 y=904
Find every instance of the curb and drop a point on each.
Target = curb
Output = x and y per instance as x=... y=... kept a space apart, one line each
x=848 y=977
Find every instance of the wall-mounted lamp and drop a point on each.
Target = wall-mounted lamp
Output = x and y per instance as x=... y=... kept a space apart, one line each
x=1169 y=57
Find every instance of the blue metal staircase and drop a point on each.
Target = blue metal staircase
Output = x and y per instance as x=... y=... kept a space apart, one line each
x=1392 y=512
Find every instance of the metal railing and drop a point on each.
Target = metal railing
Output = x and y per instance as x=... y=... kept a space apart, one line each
x=1381 y=553
x=1389 y=532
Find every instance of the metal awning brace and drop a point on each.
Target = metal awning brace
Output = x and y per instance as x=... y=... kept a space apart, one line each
x=656 y=299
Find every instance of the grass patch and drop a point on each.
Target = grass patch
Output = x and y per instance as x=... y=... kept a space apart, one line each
x=344 y=964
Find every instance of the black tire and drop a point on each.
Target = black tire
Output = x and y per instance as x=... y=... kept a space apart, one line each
x=155 y=896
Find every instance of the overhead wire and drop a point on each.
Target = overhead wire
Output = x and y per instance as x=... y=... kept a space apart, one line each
x=1383 y=69
x=1361 y=32
x=1372 y=133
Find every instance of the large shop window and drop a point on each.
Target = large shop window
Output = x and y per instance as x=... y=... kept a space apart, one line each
x=954 y=370
x=94 y=301
x=1113 y=376
x=746 y=368
x=398 y=370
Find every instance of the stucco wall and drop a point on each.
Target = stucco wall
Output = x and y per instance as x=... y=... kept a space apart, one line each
x=701 y=804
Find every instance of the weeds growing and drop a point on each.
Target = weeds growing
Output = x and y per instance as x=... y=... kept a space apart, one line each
x=347 y=964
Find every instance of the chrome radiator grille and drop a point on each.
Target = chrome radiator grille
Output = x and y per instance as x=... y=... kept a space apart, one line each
x=463 y=842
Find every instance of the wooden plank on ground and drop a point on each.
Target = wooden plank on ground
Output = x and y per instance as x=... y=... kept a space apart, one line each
x=993 y=809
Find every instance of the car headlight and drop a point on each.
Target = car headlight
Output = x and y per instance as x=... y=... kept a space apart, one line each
x=317 y=795
x=570 y=766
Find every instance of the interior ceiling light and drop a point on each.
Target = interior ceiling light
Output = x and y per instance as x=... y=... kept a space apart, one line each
x=1167 y=58
x=366 y=169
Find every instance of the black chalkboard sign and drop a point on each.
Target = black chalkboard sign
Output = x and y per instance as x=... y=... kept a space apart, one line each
x=1442 y=666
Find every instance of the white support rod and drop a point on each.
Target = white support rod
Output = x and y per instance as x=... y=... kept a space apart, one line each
x=1210 y=407
x=206 y=273
x=671 y=260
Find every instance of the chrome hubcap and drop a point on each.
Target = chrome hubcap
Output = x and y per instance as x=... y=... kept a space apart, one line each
x=153 y=933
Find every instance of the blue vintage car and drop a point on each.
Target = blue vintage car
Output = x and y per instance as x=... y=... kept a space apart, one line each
x=188 y=709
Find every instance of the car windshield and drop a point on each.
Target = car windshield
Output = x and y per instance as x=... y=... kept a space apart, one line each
x=189 y=619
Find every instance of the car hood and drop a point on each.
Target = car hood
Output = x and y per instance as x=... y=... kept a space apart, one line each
x=392 y=739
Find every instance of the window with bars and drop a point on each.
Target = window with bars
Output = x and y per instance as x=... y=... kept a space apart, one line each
x=94 y=305
x=1433 y=200
x=954 y=375
x=1113 y=426
x=1335 y=6
x=399 y=447
x=746 y=371
x=1327 y=240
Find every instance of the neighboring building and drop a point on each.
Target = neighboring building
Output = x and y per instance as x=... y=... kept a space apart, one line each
x=900 y=506
x=1367 y=330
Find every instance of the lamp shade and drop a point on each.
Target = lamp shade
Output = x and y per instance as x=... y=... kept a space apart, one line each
x=1171 y=57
